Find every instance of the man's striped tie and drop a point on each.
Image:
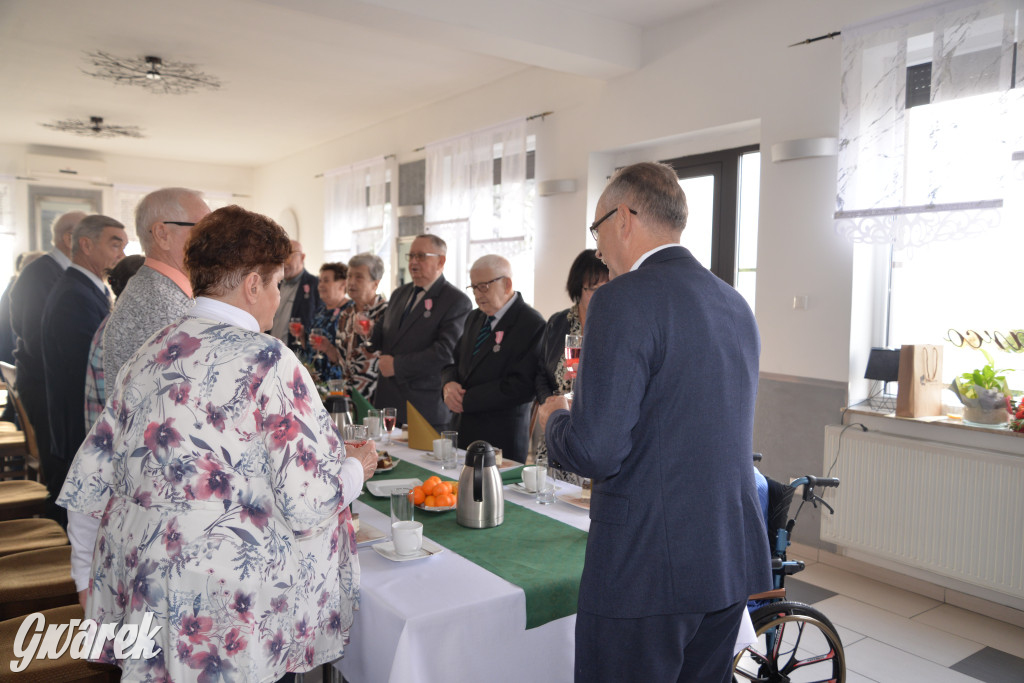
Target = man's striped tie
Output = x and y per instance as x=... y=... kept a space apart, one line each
x=483 y=334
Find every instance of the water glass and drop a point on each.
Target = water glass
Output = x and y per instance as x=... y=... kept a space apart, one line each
x=545 y=483
x=355 y=435
x=450 y=459
x=402 y=508
x=372 y=422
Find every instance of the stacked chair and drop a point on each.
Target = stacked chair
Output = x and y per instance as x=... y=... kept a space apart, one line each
x=35 y=558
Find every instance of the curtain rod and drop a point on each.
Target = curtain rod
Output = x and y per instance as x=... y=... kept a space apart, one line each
x=528 y=118
x=385 y=157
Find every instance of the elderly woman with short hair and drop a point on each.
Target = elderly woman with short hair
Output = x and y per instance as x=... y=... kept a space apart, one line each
x=359 y=363
x=213 y=491
x=332 y=288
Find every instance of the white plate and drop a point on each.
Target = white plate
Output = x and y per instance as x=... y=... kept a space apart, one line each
x=382 y=489
x=368 y=534
x=574 y=500
x=387 y=550
x=436 y=508
x=394 y=464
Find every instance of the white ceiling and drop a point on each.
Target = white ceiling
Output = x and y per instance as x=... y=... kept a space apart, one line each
x=295 y=73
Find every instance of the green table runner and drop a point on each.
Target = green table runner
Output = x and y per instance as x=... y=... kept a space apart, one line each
x=541 y=555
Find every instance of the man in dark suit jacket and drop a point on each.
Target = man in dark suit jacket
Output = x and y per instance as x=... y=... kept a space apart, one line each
x=300 y=297
x=420 y=328
x=663 y=423
x=75 y=308
x=490 y=386
x=28 y=297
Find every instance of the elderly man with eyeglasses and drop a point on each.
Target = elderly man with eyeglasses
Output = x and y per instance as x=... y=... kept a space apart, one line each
x=418 y=334
x=160 y=292
x=490 y=384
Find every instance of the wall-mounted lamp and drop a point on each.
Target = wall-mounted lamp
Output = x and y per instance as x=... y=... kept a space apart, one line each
x=804 y=149
x=546 y=188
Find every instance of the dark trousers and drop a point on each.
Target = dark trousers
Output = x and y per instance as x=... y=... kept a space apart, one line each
x=33 y=397
x=688 y=648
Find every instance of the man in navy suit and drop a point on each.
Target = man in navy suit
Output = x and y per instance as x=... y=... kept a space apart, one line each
x=663 y=422
x=75 y=308
x=421 y=326
x=28 y=297
x=490 y=386
x=300 y=297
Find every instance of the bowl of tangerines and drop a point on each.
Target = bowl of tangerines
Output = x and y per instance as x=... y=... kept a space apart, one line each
x=435 y=495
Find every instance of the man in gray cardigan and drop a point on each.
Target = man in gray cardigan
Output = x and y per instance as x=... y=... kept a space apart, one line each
x=160 y=292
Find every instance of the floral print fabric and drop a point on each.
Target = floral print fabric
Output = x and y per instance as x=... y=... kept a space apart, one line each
x=214 y=472
x=359 y=363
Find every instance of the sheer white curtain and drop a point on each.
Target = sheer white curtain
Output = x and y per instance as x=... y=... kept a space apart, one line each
x=940 y=170
x=8 y=233
x=357 y=215
x=478 y=199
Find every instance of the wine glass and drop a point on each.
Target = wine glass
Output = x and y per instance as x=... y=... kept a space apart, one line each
x=364 y=325
x=355 y=435
x=573 y=343
x=296 y=328
x=389 y=415
x=317 y=336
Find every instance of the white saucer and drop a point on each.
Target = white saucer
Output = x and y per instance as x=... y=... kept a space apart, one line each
x=383 y=488
x=387 y=550
x=520 y=488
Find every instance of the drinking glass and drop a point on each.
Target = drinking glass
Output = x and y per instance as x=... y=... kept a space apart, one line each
x=317 y=336
x=573 y=343
x=451 y=456
x=363 y=326
x=389 y=415
x=355 y=435
x=372 y=422
x=402 y=508
x=545 y=484
x=296 y=327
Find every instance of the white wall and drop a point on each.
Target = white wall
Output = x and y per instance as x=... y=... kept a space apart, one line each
x=721 y=75
x=126 y=170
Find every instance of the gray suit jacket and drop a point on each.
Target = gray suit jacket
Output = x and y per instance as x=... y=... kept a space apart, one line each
x=422 y=345
x=663 y=422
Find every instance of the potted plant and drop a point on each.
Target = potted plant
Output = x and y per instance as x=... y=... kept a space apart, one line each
x=985 y=395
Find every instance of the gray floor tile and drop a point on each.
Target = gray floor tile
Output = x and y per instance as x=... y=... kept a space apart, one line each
x=801 y=591
x=992 y=666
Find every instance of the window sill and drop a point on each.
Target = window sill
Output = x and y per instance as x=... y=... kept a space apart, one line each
x=940 y=429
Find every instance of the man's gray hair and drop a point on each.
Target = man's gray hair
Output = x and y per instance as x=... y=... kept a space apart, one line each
x=372 y=262
x=498 y=265
x=64 y=224
x=653 y=191
x=439 y=245
x=91 y=227
x=160 y=205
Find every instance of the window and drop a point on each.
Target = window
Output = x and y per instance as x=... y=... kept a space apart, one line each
x=358 y=216
x=722 y=192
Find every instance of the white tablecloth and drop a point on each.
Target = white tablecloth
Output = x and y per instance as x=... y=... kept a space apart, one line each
x=443 y=618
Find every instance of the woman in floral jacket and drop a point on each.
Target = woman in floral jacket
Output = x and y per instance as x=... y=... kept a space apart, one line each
x=213 y=490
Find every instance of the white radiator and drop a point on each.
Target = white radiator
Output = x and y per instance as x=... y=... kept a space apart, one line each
x=951 y=510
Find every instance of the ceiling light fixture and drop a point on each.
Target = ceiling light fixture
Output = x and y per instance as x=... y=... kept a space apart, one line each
x=152 y=73
x=95 y=128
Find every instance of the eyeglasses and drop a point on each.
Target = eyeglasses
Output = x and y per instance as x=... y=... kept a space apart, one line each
x=482 y=287
x=602 y=219
x=183 y=223
x=417 y=256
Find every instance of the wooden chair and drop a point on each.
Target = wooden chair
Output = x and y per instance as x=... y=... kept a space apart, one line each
x=20 y=535
x=18 y=446
x=19 y=497
x=36 y=580
x=61 y=670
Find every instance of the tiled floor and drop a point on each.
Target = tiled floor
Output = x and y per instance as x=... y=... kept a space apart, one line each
x=895 y=636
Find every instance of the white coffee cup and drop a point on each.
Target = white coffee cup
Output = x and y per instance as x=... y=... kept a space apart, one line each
x=530 y=478
x=407 y=537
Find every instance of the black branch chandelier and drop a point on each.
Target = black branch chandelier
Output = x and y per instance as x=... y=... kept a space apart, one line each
x=152 y=73
x=94 y=128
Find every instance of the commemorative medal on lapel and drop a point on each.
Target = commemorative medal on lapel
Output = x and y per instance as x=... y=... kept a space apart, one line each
x=498 y=337
x=427 y=304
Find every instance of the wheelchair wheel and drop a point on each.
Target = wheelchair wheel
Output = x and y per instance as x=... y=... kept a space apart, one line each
x=796 y=643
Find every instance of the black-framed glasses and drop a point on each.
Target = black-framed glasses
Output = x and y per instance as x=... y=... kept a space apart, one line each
x=482 y=287
x=182 y=223
x=602 y=219
x=418 y=256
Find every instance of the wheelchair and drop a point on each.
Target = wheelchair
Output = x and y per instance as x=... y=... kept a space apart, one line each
x=795 y=642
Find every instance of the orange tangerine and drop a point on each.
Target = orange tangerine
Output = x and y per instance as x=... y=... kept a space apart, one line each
x=430 y=501
x=418 y=495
